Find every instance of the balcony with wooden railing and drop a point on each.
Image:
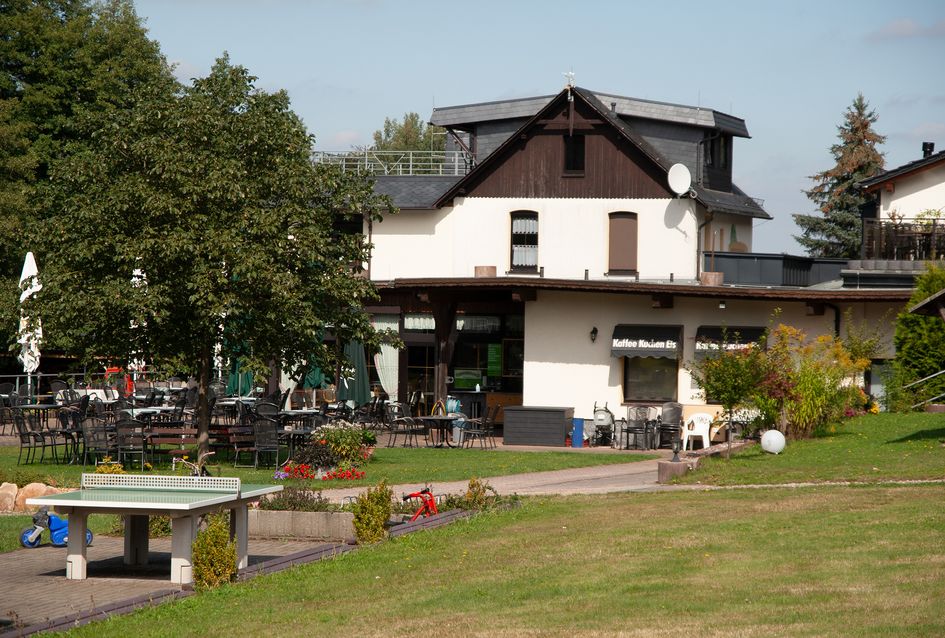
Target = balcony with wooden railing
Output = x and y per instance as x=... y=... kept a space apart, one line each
x=904 y=240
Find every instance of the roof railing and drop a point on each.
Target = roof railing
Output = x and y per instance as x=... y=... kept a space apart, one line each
x=452 y=163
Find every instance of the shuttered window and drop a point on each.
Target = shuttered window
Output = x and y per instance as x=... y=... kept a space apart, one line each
x=524 y=241
x=622 y=243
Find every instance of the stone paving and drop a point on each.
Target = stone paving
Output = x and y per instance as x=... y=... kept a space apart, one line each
x=34 y=589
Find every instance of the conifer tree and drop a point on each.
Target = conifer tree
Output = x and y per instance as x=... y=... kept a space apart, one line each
x=835 y=232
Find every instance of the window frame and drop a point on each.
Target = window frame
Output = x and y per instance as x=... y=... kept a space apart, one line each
x=532 y=239
x=575 y=155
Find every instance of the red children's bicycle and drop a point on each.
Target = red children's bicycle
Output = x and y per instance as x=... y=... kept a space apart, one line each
x=427 y=503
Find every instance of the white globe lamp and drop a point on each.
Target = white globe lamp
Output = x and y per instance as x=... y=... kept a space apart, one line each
x=772 y=441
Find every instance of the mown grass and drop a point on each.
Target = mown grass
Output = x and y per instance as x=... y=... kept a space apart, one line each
x=828 y=561
x=396 y=465
x=870 y=448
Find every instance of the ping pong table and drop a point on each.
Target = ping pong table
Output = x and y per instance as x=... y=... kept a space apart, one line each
x=139 y=496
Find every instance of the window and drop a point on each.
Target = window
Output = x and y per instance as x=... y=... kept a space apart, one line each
x=574 y=154
x=623 y=243
x=524 y=241
x=717 y=150
x=650 y=379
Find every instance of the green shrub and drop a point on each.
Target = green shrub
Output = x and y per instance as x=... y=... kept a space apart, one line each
x=214 y=554
x=21 y=478
x=479 y=496
x=315 y=453
x=296 y=499
x=372 y=510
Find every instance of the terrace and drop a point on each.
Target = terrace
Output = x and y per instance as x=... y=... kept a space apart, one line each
x=369 y=162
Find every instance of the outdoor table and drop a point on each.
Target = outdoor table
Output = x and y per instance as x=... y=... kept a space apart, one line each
x=295 y=434
x=137 y=497
x=442 y=424
x=42 y=408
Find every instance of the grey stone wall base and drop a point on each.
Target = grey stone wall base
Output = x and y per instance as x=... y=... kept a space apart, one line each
x=327 y=526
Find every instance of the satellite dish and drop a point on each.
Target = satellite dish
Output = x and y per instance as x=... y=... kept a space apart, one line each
x=680 y=179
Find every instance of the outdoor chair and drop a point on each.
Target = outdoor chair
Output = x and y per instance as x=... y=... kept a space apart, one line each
x=131 y=440
x=697 y=426
x=670 y=424
x=409 y=428
x=482 y=429
x=638 y=433
x=97 y=441
x=56 y=386
x=266 y=439
x=30 y=440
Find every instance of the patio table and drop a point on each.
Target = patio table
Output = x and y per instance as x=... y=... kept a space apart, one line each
x=442 y=424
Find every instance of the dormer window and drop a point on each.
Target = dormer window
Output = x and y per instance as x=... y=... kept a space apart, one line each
x=573 y=154
x=717 y=150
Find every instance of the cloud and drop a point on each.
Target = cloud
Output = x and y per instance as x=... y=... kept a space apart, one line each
x=906 y=29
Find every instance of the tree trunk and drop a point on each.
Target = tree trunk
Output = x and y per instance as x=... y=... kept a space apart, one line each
x=203 y=399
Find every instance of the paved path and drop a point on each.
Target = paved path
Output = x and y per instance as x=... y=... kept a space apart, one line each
x=599 y=479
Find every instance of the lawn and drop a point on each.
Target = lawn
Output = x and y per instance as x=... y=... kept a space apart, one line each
x=871 y=448
x=826 y=561
x=397 y=465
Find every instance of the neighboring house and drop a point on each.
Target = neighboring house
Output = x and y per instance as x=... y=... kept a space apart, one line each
x=562 y=269
x=903 y=223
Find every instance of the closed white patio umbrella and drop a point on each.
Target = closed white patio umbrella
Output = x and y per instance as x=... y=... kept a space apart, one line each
x=29 y=339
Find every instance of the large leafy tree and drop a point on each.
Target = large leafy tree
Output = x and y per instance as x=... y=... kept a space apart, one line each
x=199 y=212
x=411 y=134
x=60 y=61
x=835 y=231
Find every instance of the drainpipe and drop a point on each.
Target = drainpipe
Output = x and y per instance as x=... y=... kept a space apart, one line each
x=708 y=220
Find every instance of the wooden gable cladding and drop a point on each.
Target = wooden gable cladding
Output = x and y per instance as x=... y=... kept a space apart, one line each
x=533 y=165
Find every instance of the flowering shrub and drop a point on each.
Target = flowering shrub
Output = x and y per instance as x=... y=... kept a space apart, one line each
x=344 y=439
x=343 y=475
x=299 y=471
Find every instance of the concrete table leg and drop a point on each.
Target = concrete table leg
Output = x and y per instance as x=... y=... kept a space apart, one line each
x=76 y=561
x=239 y=527
x=136 y=539
x=184 y=530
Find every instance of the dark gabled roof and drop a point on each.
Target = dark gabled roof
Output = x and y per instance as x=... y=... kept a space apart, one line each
x=926 y=162
x=930 y=306
x=468 y=114
x=414 y=191
x=736 y=203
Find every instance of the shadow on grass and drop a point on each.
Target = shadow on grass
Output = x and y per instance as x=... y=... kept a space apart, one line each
x=921 y=435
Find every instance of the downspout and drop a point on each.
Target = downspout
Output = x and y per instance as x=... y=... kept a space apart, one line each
x=708 y=220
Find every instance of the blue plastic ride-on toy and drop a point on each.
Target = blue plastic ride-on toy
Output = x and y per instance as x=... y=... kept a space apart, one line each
x=58 y=530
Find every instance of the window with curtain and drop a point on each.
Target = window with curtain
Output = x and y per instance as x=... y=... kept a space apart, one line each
x=524 y=241
x=387 y=359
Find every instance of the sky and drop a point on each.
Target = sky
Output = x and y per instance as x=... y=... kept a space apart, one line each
x=789 y=69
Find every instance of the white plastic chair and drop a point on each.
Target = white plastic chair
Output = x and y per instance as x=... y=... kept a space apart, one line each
x=697 y=425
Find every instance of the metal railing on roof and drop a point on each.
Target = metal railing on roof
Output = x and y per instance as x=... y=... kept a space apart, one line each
x=398 y=162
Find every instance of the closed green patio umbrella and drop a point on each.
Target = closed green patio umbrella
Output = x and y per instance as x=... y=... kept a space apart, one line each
x=358 y=387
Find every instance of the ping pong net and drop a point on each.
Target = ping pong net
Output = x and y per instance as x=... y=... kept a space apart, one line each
x=161 y=482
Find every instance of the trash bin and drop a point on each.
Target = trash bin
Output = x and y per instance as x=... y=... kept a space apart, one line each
x=577 y=432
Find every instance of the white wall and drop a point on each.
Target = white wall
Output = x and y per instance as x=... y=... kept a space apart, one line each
x=572 y=237
x=564 y=368
x=916 y=193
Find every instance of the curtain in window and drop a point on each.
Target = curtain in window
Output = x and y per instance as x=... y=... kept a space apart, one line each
x=387 y=360
x=525 y=225
x=524 y=255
